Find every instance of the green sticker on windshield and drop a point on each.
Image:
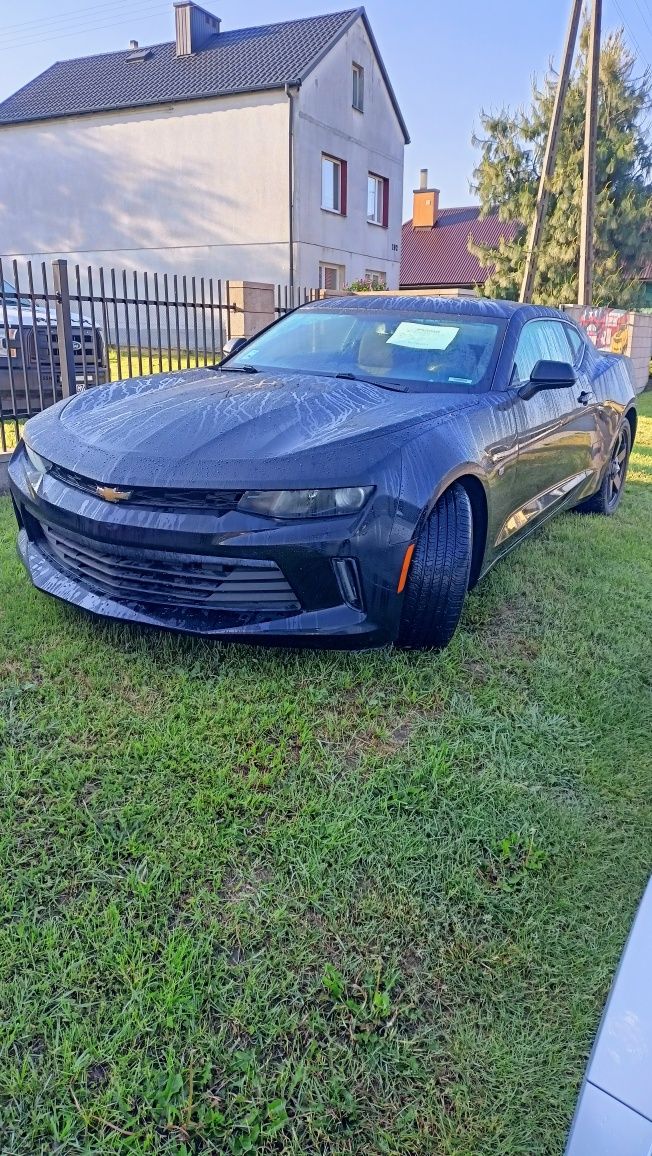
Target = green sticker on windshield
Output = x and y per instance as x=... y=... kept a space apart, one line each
x=413 y=335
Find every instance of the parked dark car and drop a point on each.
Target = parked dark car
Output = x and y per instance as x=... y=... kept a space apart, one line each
x=30 y=359
x=614 y=1111
x=342 y=480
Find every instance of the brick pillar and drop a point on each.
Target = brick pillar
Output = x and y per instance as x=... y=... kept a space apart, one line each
x=252 y=307
x=639 y=347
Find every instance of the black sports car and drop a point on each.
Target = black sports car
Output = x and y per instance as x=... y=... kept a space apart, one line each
x=342 y=480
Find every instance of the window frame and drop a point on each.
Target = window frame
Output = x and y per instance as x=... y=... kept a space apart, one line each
x=341 y=184
x=380 y=275
x=340 y=271
x=382 y=183
x=515 y=382
x=357 y=80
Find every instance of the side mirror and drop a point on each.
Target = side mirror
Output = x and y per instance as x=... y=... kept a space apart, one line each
x=233 y=345
x=548 y=375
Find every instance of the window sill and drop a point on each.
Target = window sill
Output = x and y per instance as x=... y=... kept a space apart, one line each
x=377 y=224
x=333 y=212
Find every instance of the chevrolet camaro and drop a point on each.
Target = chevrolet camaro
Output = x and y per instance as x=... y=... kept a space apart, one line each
x=343 y=478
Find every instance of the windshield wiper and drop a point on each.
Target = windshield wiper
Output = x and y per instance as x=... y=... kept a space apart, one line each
x=237 y=369
x=393 y=385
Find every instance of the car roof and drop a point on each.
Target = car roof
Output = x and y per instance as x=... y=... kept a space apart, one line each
x=484 y=307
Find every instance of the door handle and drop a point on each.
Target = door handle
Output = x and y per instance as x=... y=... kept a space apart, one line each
x=585 y=397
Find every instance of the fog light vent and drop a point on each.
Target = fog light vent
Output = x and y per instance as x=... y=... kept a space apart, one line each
x=346 y=571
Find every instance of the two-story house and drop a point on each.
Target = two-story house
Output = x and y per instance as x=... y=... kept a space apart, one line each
x=272 y=153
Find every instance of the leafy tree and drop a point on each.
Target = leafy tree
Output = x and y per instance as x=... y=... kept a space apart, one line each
x=507 y=177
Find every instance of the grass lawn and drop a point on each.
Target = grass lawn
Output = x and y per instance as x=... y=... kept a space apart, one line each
x=161 y=363
x=265 y=902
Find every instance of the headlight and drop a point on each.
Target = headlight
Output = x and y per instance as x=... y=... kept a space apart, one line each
x=41 y=465
x=305 y=503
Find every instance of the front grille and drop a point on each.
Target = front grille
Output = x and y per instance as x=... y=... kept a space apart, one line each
x=84 y=337
x=164 y=498
x=169 y=579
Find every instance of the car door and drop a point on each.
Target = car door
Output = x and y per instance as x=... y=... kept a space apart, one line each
x=556 y=430
x=591 y=394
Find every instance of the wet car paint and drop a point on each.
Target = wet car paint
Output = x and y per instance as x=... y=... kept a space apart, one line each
x=203 y=430
x=614 y=1108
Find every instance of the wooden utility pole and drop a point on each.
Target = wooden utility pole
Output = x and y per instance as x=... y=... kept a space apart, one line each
x=585 y=292
x=550 y=155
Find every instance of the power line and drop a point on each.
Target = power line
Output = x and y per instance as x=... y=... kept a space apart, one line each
x=643 y=16
x=631 y=34
x=152 y=8
x=71 y=15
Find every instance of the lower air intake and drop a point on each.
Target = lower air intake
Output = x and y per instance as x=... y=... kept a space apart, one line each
x=171 y=579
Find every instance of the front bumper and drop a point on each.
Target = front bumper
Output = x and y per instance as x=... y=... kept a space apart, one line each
x=322 y=611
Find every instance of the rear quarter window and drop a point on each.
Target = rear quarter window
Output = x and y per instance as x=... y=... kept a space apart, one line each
x=576 y=342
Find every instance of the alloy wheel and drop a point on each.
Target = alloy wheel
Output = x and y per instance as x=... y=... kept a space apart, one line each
x=617 y=468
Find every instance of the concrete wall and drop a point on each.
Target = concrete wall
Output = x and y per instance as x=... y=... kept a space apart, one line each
x=199 y=187
x=640 y=347
x=371 y=141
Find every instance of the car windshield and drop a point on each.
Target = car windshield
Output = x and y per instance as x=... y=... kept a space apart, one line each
x=411 y=348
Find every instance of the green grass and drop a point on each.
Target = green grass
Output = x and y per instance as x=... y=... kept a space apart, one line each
x=10 y=431
x=268 y=902
x=161 y=363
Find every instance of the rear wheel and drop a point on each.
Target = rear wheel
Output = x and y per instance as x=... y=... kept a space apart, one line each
x=439 y=574
x=607 y=499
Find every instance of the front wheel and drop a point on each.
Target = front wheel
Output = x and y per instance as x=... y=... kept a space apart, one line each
x=607 y=499
x=439 y=574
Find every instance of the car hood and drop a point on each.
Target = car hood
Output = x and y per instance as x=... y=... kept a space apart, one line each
x=202 y=428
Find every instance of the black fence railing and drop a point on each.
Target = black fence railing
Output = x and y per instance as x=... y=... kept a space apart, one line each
x=67 y=329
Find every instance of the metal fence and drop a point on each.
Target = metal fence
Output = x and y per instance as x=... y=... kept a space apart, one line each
x=67 y=329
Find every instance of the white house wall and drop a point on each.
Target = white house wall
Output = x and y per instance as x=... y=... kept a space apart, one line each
x=368 y=141
x=199 y=187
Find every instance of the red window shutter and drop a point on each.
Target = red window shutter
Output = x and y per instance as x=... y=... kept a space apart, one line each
x=385 y=202
x=344 y=188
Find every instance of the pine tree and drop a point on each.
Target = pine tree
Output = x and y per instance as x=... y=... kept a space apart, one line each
x=507 y=177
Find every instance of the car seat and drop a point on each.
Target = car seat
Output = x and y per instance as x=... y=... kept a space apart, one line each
x=374 y=354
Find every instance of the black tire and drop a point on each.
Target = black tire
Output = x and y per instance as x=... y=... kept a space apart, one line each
x=607 y=499
x=439 y=574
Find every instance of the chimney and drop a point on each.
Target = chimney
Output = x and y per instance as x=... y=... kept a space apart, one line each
x=426 y=204
x=194 y=26
x=133 y=44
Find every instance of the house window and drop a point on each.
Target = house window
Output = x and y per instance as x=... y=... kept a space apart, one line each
x=376 y=278
x=333 y=185
x=358 y=87
x=377 y=199
x=331 y=277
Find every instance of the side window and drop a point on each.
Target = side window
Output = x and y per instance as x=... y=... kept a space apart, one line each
x=358 y=87
x=539 y=340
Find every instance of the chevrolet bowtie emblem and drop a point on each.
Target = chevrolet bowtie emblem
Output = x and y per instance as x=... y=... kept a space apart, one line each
x=110 y=494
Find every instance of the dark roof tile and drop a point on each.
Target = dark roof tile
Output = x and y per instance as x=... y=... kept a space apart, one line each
x=243 y=60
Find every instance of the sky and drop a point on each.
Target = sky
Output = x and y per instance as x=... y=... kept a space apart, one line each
x=447 y=59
